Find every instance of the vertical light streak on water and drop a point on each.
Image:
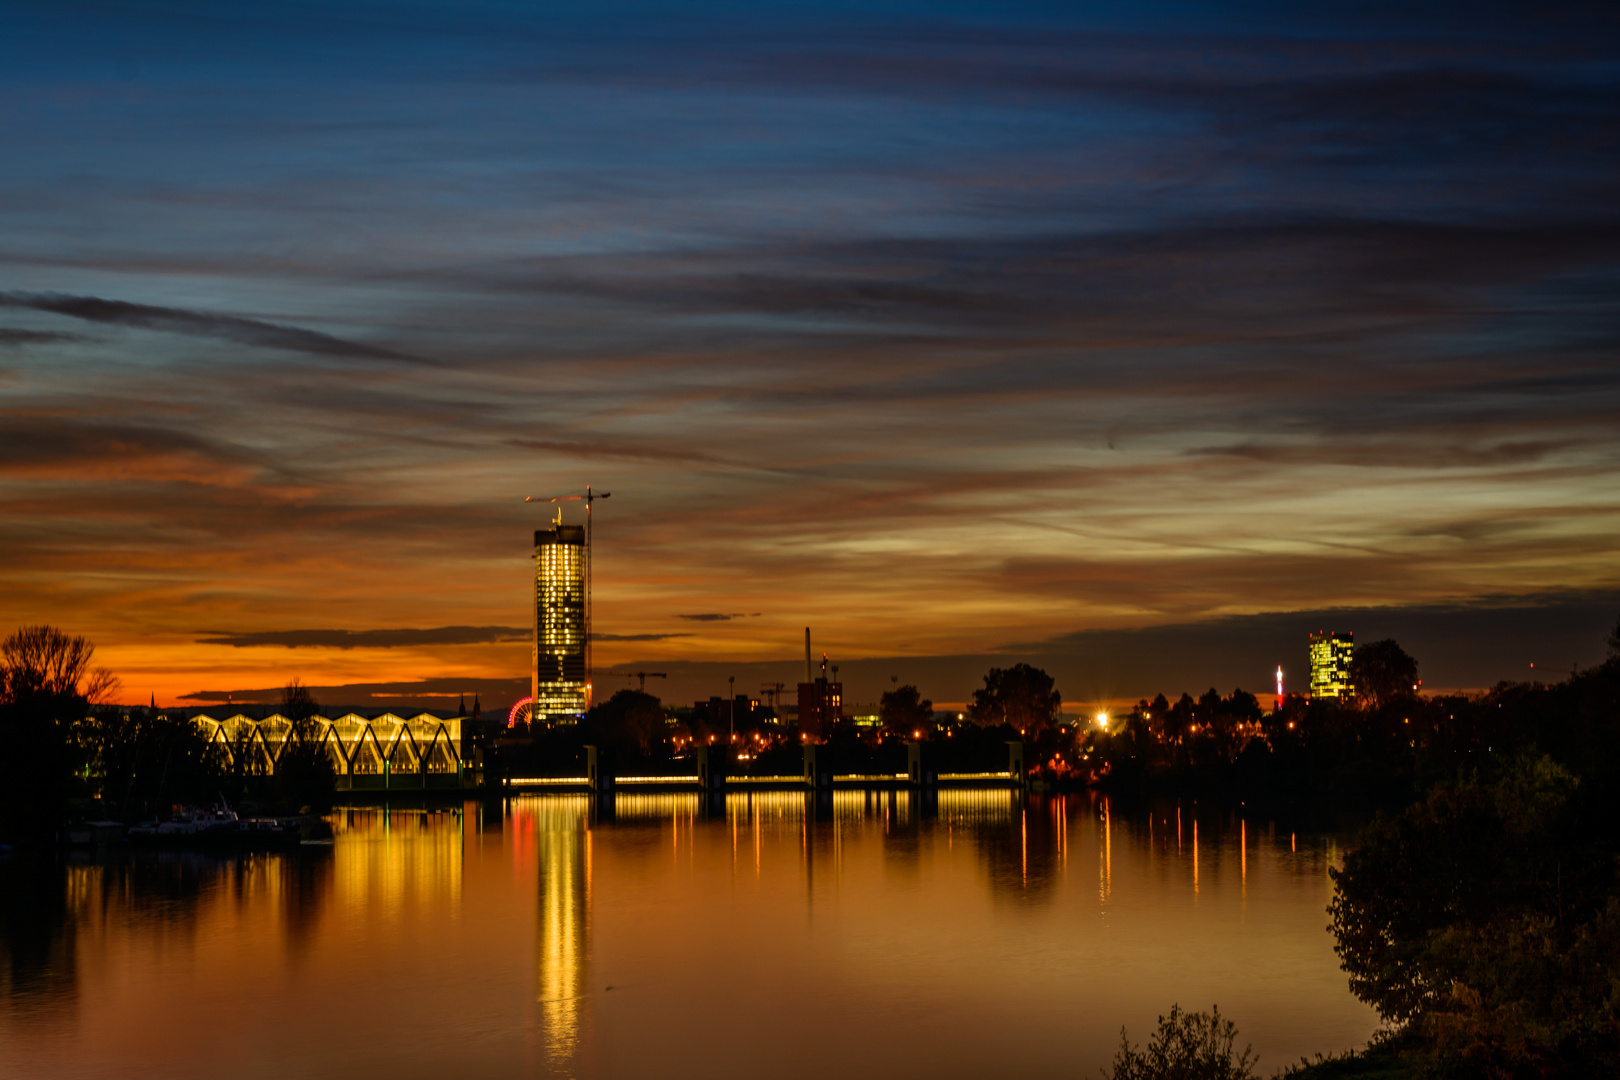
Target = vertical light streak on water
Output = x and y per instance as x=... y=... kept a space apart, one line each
x=1108 y=851
x=562 y=850
x=1243 y=857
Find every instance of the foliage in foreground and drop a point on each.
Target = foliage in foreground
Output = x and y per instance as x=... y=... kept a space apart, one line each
x=1484 y=920
x=1487 y=920
x=1187 y=1046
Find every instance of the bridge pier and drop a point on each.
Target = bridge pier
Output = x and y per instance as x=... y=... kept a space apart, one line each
x=817 y=772
x=599 y=770
x=711 y=769
x=1015 y=764
x=920 y=768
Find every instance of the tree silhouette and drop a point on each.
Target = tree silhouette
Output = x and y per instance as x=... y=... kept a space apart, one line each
x=43 y=662
x=1022 y=695
x=46 y=688
x=1382 y=672
x=304 y=772
x=904 y=710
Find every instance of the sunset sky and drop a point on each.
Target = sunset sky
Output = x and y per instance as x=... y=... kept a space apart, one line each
x=962 y=333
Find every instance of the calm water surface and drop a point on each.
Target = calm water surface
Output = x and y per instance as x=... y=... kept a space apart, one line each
x=998 y=936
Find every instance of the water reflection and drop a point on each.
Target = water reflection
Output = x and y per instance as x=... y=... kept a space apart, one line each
x=930 y=935
x=36 y=937
x=50 y=902
x=551 y=836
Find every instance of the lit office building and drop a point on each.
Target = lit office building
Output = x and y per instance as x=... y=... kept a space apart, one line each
x=560 y=692
x=1330 y=664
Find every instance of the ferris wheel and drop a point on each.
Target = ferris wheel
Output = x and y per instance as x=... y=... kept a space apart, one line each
x=523 y=711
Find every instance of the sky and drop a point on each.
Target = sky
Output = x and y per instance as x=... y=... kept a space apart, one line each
x=962 y=333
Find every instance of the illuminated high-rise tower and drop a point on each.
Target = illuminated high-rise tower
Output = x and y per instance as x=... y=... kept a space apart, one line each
x=560 y=692
x=1330 y=664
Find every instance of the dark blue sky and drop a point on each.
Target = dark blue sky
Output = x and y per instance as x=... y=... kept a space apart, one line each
x=943 y=327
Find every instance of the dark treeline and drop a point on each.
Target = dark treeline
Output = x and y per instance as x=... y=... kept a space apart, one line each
x=67 y=752
x=1386 y=745
x=1483 y=920
x=1016 y=704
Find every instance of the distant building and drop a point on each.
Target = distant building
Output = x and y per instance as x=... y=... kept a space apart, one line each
x=719 y=712
x=821 y=701
x=560 y=693
x=1330 y=664
x=368 y=748
x=821 y=704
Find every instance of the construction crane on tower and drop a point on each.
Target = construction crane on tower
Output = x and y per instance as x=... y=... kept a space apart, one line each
x=588 y=498
x=771 y=690
x=644 y=676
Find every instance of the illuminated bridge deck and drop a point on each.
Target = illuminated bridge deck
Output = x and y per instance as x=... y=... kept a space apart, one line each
x=1002 y=778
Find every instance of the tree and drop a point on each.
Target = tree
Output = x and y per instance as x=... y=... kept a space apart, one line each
x=904 y=710
x=1486 y=920
x=1187 y=1046
x=46 y=688
x=43 y=662
x=1243 y=705
x=1381 y=672
x=631 y=721
x=143 y=758
x=304 y=772
x=1614 y=642
x=1021 y=695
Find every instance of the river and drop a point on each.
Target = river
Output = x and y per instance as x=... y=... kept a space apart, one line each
x=993 y=936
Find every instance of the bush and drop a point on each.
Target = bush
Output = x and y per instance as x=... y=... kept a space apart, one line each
x=1187 y=1046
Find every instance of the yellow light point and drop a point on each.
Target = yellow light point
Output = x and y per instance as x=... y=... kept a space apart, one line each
x=1102 y=719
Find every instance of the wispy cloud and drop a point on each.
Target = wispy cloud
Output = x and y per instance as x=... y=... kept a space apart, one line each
x=670 y=452
x=365 y=639
x=230 y=328
x=12 y=337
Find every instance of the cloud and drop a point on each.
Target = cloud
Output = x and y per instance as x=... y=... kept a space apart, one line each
x=495 y=695
x=624 y=451
x=1409 y=455
x=595 y=636
x=717 y=617
x=200 y=324
x=12 y=337
x=83 y=449
x=366 y=639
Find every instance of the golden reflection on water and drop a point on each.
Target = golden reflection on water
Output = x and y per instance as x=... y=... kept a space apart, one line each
x=397 y=858
x=930 y=934
x=554 y=833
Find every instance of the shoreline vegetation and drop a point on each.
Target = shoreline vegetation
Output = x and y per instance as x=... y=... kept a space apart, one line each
x=1478 y=912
